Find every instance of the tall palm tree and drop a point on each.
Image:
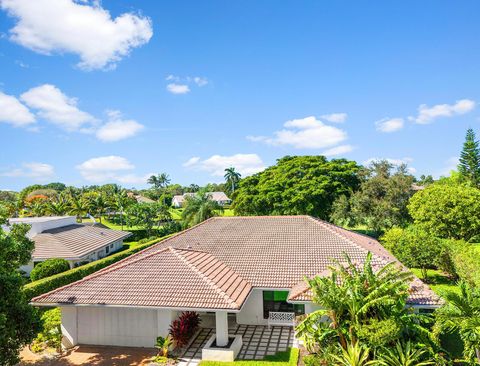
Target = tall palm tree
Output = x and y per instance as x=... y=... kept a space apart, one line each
x=57 y=206
x=78 y=206
x=461 y=312
x=198 y=208
x=232 y=177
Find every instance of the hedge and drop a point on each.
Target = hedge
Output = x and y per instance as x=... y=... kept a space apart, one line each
x=47 y=284
x=49 y=268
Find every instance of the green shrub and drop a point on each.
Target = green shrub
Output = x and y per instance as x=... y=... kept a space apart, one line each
x=49 y=268
x=51 y=334
x=47 y=284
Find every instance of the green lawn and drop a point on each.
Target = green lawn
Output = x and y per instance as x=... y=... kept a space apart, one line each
x=287 y=358
x=438 y=281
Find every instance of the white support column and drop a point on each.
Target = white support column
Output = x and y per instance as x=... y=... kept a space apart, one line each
x=221 y=328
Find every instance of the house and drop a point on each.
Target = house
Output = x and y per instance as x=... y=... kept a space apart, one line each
x=63 y=237
x=247 y=270
x=220 y=197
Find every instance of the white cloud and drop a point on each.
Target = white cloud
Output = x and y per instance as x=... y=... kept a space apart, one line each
x=56 y=107
x=200 y=81
x=394 y=162
x=305 y=133
x=246 y=164
x=117 y=128
x=85 y=29
x=192 y=161
x=389 y=124
x=338 y=150
x=110 y=169
x=178 y=88
x=12 y=111
x=429 y=114
x=335 y=117
x=181 y=85
x=35 y=171
x=451 y=164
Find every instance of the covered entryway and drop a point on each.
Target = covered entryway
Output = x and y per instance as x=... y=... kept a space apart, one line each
x=117 y=326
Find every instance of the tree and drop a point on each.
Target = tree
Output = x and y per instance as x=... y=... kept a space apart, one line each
x=18 y=320
x=198 y=208
x=381 y=202
x=414 y=247
x=461 y=312
x=297 y=185
x=449 y=211
x=159 y=182
x=232 y=177
x=146 y=215
x=469 y=166
x=49 y=268
x=78 y=206
x=361 y=302
x=57 y=206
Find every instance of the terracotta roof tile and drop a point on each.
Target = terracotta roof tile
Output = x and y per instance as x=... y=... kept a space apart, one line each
x=74 y=241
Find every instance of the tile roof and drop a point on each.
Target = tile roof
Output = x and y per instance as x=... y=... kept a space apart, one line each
x=73 y=241
x=168 y=278
x=266 y=251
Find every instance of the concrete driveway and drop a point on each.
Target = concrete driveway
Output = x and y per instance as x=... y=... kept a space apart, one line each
x=92 y=355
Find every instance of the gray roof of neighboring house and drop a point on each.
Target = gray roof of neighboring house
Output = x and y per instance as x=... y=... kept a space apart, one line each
x=264 y=251
x=31 y=220
x=74 y=241
x=215 y=196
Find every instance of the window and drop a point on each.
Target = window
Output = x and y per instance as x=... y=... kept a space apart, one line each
x=277 y=301
x=107 y=249
x=111 y=246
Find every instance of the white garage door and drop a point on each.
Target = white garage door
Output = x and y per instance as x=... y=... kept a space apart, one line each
x=117 y=326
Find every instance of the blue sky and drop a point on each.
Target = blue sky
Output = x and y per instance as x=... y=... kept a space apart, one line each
x=113 y=91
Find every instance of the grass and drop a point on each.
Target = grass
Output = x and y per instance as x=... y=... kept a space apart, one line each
x=438 y=281
x=287 y=358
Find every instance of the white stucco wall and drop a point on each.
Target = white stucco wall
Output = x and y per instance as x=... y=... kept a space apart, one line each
x=252 y=311
x=69 y=326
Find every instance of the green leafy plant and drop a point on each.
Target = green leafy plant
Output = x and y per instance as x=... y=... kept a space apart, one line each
x=404 y=354
x=163 y=344
x=49 y=268
x=354 y=355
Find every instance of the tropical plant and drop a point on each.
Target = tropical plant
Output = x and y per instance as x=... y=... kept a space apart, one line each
x=461 y=313
x=232 y=177
x=78 y=206
x=198 y=208
x=163 y=344
x=354 y=355
x=57 y=206
x=404 y=354
x=183 y=328
x=361 y=305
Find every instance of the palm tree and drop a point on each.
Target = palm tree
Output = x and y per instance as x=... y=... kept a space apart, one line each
x=198 y=208
x=461 y=312
x=78 y=207
x=232 y=177
x=404 y=355
x=119 y=203
x=57 y=206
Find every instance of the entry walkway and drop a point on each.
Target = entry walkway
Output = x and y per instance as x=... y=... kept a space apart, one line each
x=258 y=341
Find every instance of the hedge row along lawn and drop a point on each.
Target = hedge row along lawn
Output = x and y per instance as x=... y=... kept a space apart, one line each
x=47 y=284
x=287 y=358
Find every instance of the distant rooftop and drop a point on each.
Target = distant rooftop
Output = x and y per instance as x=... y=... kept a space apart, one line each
x=31 y=220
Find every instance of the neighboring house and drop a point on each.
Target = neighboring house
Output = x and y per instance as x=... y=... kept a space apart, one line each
x=62 y=237
x=220 y=197
x=143 y=199
x=248 y=270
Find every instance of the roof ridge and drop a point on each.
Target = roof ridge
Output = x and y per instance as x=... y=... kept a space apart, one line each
x=98 y=274
x=340 y=233
x=202 y=275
